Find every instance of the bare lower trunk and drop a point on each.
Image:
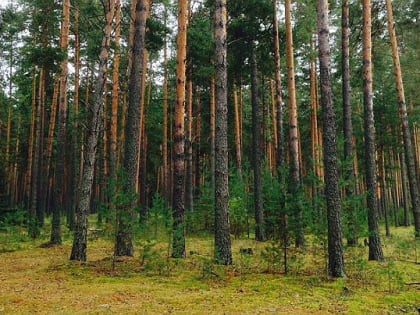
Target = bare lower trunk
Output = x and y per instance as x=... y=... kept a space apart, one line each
x=79 y=249
x=375 y=248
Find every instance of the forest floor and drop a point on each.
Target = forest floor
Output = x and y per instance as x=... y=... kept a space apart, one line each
x=34 y=279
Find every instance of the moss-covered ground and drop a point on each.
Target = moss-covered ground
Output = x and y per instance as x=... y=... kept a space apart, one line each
x=41 y=280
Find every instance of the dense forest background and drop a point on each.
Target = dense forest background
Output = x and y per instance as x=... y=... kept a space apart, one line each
x=201 y=117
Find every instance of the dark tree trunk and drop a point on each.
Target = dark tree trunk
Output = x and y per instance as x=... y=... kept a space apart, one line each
x=404 y=191
x=79 y=249
x=222 y=242
x=332 y=189
x=124 y=240
x=352 y=235
x=375 y=248
x=256 y=148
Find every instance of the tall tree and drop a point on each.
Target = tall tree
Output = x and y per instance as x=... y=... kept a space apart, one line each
x=408 y=147
x=280 y=155
x=352 y=237
x=332 y=189
x=222 y=244
x=59 y=191
x=256 y=149
x=295 y=167
x=115 y=93
x=124 y=240
x=178 y=206
x=375 y=248
x=79 y=249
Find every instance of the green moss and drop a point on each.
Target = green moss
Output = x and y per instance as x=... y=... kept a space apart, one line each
x=43 y=280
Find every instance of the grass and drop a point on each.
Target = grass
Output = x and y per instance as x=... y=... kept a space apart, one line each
x=43 y=280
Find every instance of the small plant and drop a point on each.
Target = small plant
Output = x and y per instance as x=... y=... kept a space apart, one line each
x=273 y=256
x=394 y=277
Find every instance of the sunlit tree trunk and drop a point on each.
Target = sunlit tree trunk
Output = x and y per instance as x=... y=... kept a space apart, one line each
x=295 y=167
x=115 y=94
x=238 y=138
x=375 y=248
x=178 y=206
x=79 y=249
x=408 y=147
x=222 y=242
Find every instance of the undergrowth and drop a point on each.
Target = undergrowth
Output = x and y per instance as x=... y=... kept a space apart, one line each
x=36 y=279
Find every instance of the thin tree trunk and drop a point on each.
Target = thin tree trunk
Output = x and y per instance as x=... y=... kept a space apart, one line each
x=178 y=206
x=375 y=248
x=29 y=175
x=189 y=192
x=408 y=147
x=238 y=149
x=59 y=191
x=279 y=144
x=352 y=235
x=256 y=148
x=222 y=243
x=166 y=181
x=115 y=94
x=295 y=167
x=79 y=249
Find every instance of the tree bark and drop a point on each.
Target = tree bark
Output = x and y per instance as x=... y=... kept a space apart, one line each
x=222 y=242
x=375 y=248
x=408 y=147
x=332 y=188
x=352 y=235
x=124 y=240
x=178 y=206
x=59 y=191
x=279 y=145
x=115 y=94
x=295 y=167
x=256 y=148
x=79 y=249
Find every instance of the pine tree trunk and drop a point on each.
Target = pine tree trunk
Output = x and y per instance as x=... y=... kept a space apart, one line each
x=256 y=148
x=189 y=191
x=222 y=242
x=124 y=240
x=29 y=174
x=165 y=165
x=408 y=147
x=295 y=167
x=115 y=94
x=279 y=145
x=79 y=249
x=332 y=189
x=375 y=248
x=178 y=206
x=238 y=149
x=59 y=191
x=352 y=236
